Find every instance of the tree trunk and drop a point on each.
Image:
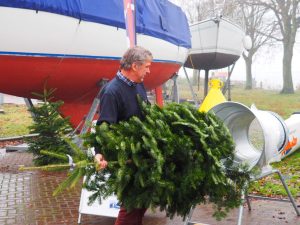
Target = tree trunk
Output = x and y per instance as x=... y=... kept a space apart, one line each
x=288 y=87
x=248 y=62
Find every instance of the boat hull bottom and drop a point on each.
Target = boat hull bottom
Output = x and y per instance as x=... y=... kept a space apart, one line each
x=208 y=61
x=76 y=80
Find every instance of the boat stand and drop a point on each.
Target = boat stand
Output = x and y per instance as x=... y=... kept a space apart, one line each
x=1 y=103
x=227 y=85
x=191 y=88
x=174 y=91
x=85 y=123
x=87 y=119
x=29 y=105
x=246 y=196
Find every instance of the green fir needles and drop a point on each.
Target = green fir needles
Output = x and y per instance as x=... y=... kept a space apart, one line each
x=174 y=158
x=51 y=128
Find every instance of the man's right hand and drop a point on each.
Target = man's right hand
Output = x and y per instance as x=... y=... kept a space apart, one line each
x=101 y=162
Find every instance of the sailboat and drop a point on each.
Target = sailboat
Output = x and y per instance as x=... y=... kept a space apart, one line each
x=72 y=45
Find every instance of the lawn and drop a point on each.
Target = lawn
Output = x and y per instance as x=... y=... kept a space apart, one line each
x=283 y=104
x=272 y=186
x=14 y=121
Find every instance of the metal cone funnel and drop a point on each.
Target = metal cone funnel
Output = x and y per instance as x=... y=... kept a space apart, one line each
x=259 y=135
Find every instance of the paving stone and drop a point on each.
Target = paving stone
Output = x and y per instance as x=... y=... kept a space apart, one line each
x=26 y=198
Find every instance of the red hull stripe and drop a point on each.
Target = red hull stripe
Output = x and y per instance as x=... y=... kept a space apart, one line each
x=75 y=79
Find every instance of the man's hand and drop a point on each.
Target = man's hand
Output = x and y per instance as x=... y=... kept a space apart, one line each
x=101 y=162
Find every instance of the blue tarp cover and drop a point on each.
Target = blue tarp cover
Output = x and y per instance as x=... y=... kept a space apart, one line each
x=157 y=18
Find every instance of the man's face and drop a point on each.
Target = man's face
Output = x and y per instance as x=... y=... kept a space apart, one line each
x=140 y=70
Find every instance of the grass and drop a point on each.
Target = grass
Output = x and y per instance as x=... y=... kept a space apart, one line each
x=272 y=186
x=283 y=104
x=16 y=120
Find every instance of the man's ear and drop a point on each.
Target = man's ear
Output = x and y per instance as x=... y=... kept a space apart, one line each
x=134 y=66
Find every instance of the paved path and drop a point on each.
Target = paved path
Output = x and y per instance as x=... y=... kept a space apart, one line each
x=26 y=199
x=14 y=99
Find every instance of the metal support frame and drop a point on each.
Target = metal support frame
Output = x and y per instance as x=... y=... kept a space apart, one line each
x=206 y=83
x=29 y=105
x=1 y=102
x=241 y=208
x=1 y=99
x=227 y=85
x=246 y=196
x=87 y=121
x=89 y=117
x=79 y=219
x=175 y=94
x=190 y=86
x=85 y=124
x=188 y=219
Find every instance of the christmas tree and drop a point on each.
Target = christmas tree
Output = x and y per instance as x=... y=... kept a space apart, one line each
x=51 y=128
x=173 y=159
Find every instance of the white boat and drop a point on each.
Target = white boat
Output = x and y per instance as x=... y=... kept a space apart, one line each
x=216 y=43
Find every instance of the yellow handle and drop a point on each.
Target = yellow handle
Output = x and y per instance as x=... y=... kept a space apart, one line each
x=215 y=83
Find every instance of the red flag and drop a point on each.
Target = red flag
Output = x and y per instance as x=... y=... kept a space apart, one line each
x=129 y=15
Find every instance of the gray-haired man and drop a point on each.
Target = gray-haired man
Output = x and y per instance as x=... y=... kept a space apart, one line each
x=118 y=102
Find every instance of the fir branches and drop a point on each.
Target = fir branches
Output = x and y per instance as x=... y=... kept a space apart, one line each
x=177 y=159
x=51 y=127
x=174 y=158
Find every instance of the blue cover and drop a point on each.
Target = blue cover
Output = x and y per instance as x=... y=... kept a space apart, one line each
x=157 y=18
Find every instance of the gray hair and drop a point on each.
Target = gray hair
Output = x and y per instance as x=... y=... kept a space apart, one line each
x=135 y=54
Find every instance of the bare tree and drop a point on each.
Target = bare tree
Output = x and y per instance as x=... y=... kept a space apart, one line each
x=286 y=13
x=259 y=30
x=197 y=10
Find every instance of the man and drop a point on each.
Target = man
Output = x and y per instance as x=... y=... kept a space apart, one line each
x=118 y=101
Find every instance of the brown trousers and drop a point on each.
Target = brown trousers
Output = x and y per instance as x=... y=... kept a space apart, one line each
x=134 y=217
